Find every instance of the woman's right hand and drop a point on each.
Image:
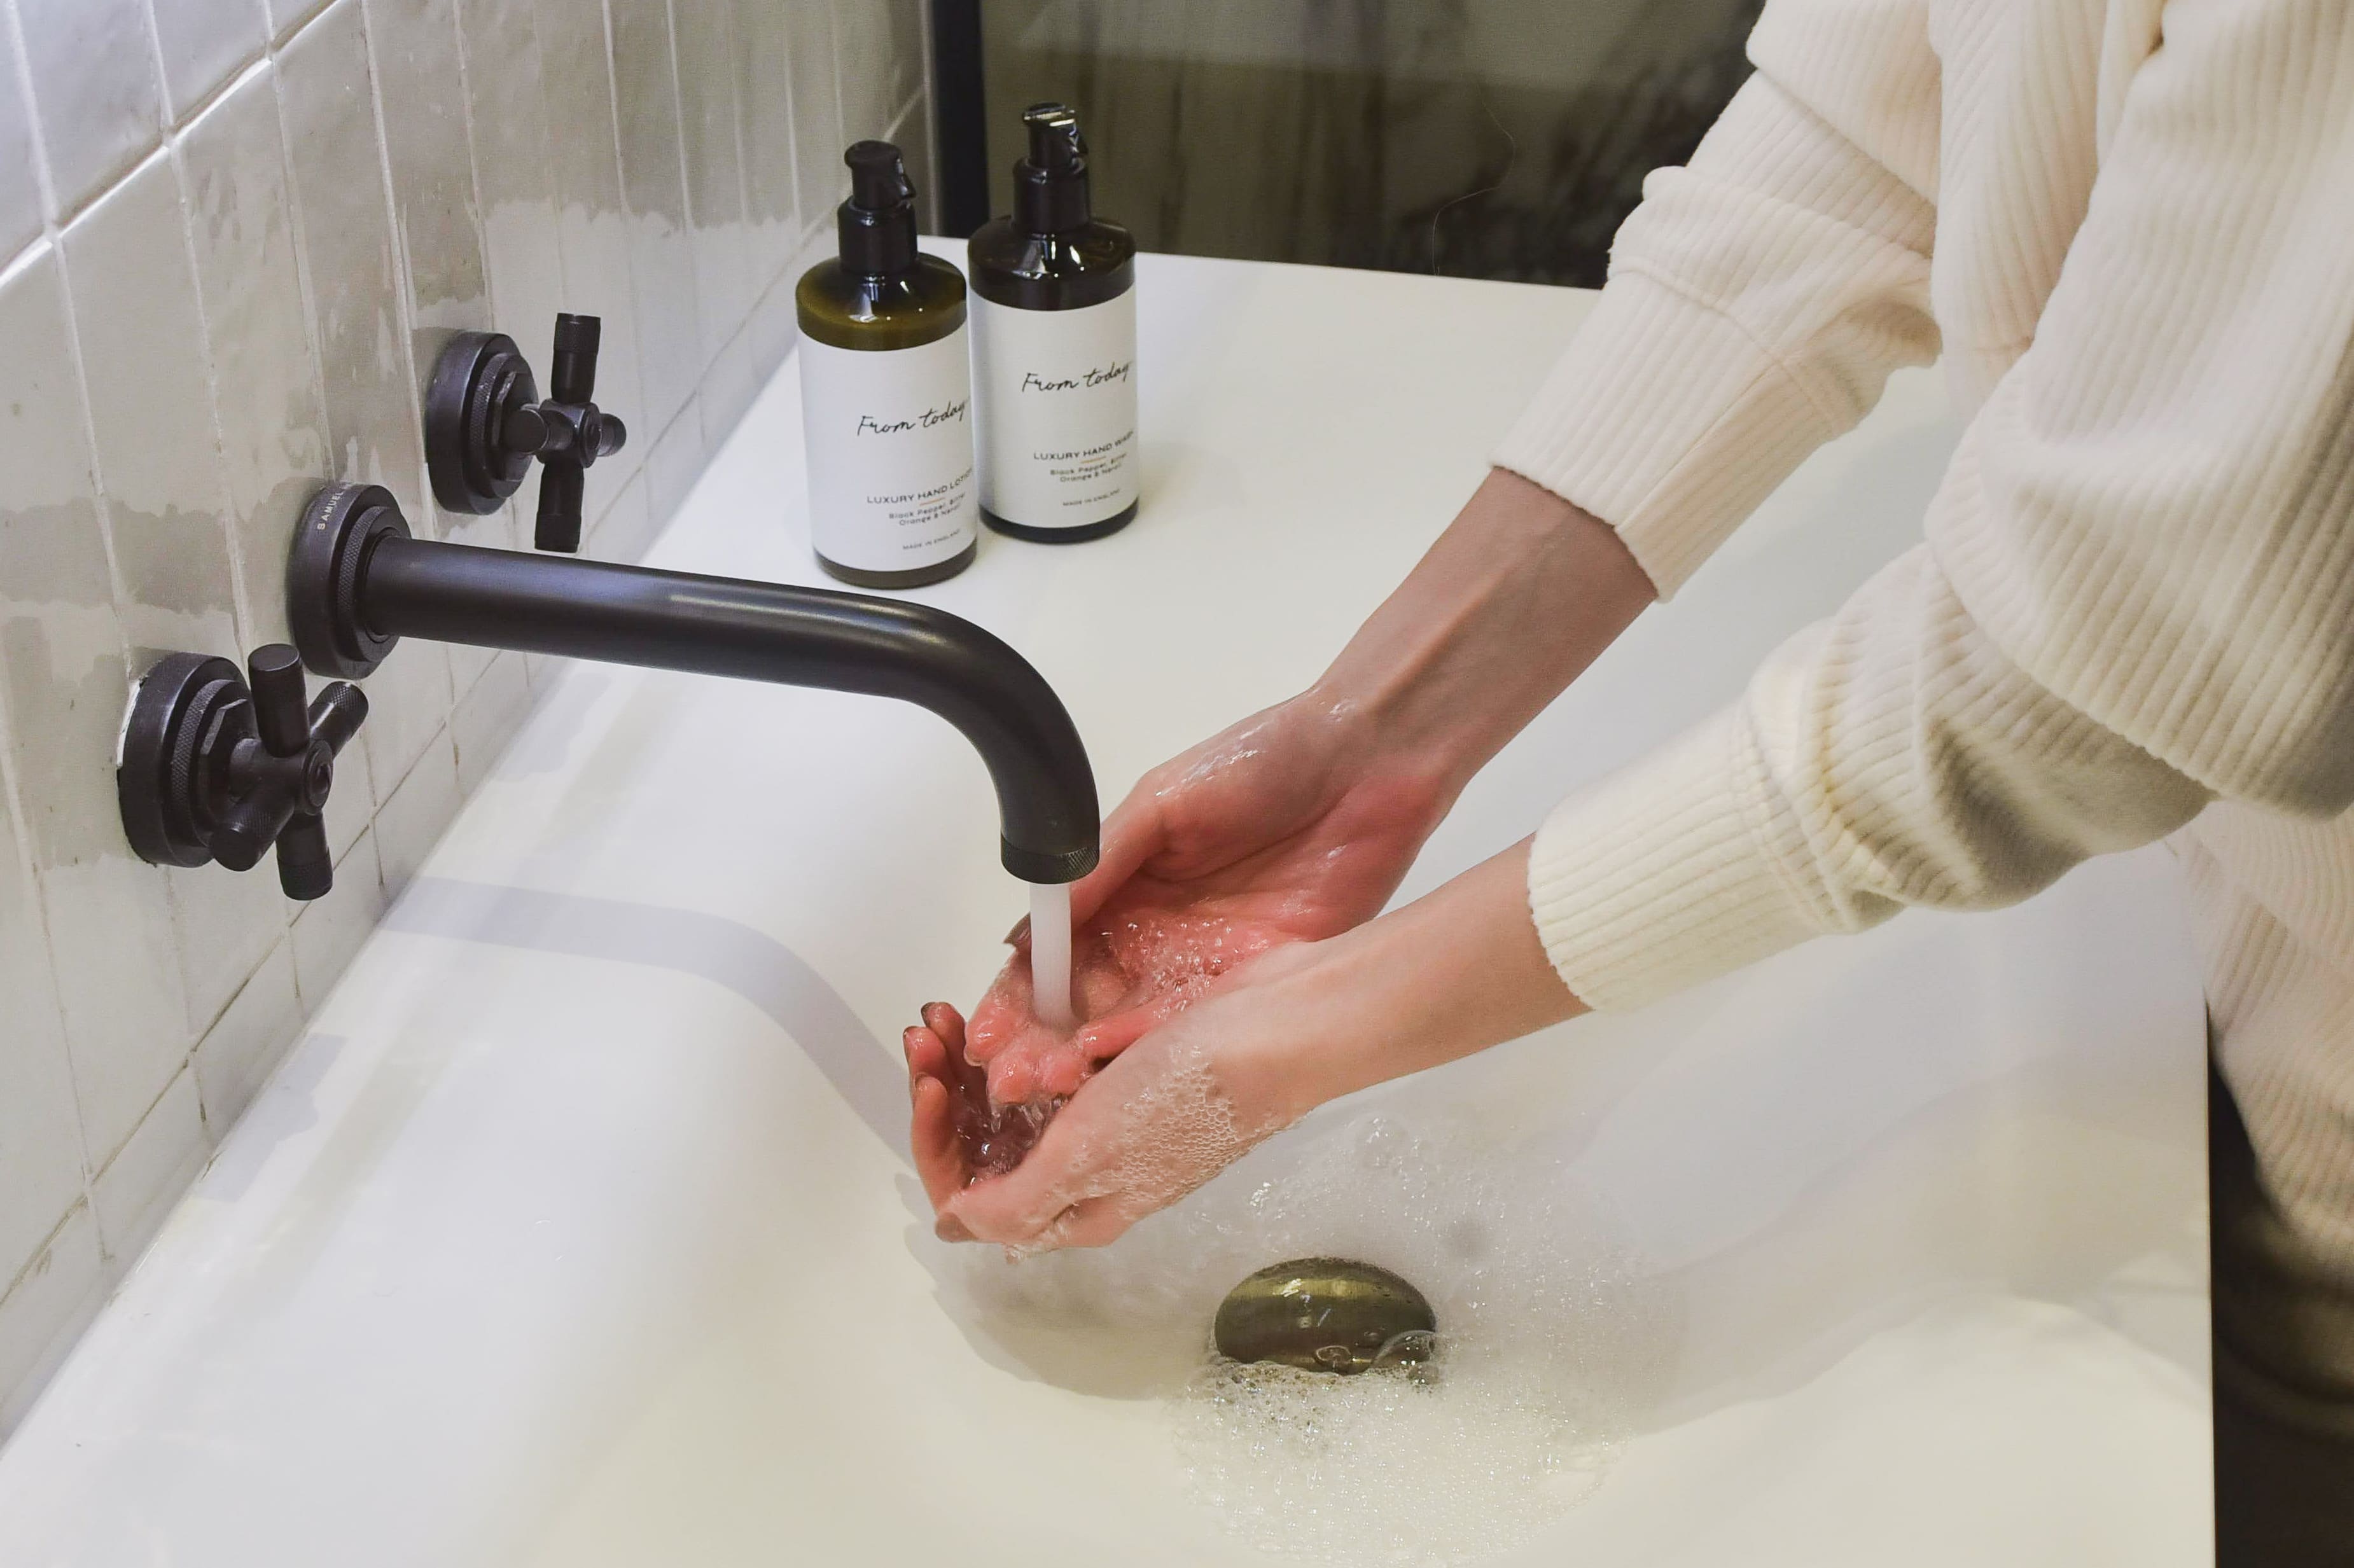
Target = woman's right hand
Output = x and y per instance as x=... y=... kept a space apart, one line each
x=1294 y=825
x=1299 y=824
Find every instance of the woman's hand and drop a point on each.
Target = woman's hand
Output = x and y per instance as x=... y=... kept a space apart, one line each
x=1449 y=974
x=1298 y=825
x=1292 y=826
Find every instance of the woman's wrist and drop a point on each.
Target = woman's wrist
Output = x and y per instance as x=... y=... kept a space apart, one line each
x=1523 y=591
x=1452 y=973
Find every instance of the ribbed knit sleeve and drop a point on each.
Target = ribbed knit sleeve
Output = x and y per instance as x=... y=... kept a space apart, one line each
x=2138 y=588
x=1760 y=295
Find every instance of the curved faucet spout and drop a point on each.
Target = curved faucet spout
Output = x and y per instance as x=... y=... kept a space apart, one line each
x=357 y=583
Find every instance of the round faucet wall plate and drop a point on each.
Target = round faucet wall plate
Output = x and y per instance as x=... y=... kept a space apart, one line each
x=1326 y=1314
x=324 y=568
x=480 y=378
x=174 y=710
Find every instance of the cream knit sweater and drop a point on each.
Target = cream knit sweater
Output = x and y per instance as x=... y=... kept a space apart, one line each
x=2127 y=226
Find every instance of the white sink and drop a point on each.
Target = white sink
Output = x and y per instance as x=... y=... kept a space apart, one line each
x=579 y=1231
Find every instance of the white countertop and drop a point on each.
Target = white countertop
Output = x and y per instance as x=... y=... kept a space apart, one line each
x=579 y=1230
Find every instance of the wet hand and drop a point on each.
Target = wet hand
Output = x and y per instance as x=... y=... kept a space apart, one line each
x=1446 y=976
x=1293 y=826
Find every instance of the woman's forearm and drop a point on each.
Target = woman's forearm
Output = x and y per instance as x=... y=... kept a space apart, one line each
x=1517 y=598
x=1454 y=972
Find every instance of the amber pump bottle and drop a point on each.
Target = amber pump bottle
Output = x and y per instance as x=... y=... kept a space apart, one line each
x=886 y=392
x=1054 y=349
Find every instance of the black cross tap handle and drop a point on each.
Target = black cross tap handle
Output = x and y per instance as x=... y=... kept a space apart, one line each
x=215 y=767
x=485 y=423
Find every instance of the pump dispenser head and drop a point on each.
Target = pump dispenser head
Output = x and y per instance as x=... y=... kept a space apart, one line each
x=1051 y=194
x=877 y=224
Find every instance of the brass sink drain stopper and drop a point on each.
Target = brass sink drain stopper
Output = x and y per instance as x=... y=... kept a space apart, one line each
x=1326 y=1314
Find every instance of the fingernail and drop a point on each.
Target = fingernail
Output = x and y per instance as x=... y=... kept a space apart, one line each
x=1021 y=929
x=952 y=1229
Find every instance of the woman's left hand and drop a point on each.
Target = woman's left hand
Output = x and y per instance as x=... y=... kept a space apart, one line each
x=1446 y=976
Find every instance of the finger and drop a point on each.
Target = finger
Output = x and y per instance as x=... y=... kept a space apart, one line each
x=1061 y=1069
x=928 y=1057
x=1013 y=1077
x=1015 y=1208
x=1091 y=1222
x=939 y=1157
x=932 y=1137
x=1132 y=835
x=947 y=1024
x=1107 y=1037
x=1002 y=1016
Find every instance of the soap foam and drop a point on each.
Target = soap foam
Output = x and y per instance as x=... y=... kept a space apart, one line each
x=1174 y=1132
x=1549 y=1342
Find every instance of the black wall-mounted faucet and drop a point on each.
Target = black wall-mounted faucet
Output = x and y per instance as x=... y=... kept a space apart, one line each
x=357 y=582
x=485 y=424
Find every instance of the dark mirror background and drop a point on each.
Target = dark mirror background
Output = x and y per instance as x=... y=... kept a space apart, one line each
x=1475 y=138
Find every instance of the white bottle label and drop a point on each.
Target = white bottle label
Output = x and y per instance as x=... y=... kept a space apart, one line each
x=1058 y=411
x=889 y=434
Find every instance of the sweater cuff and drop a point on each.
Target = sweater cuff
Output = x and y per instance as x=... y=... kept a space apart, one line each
x=1669 y=872
x=1668 y=420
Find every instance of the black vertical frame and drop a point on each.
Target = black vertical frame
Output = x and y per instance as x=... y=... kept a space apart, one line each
x=959 y=116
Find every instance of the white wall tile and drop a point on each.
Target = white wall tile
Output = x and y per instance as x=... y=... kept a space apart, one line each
x=775 y=327
x=422 y=96
x=595 y=233
x=622 y=534
x=343 y=221
x=819 y=140
x=204 y=43
x=410 y=698
x=329 y=931
x=676 y=462
x=879 y=46
x=119 y=979
x=142 y=355
x=487 y=718
x=95 y=95
x=20 y=183
x=252 y=1036
x=729 y=388
x=267 y=403
x=139 y=1186
x=410 y=823
x=48 y=1304
x=40 y=1133
x=913 y=133
x=766 y=46
x=285 y=16
x=516 y=182
x=707 y=55
x=653 y=184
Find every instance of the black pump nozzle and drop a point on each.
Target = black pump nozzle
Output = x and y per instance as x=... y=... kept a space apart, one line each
x=877 y=224
x=1051 y=194
x=1055 y=146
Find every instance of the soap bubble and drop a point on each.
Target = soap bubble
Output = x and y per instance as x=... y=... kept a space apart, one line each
x=1550 y=1340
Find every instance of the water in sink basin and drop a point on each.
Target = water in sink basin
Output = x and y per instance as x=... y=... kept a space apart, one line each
x=1550 y=1340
